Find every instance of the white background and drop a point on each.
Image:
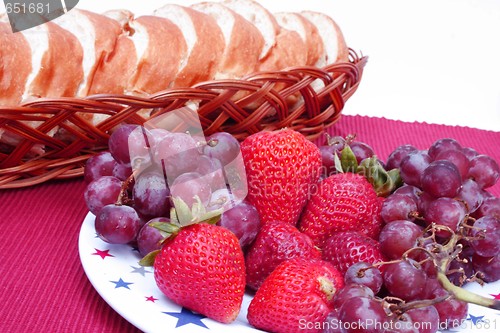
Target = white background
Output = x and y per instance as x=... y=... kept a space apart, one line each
x=435 y=61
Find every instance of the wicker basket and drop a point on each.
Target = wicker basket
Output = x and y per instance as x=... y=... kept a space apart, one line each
x=258 y=102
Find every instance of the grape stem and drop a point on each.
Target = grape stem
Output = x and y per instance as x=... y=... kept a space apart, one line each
x=421 y=303
x=462 y=294
x=465 y=295
x=123 y=198
x=442 y=263
x=441 y=256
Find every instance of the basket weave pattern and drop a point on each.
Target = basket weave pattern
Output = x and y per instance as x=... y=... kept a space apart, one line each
x=258 y=102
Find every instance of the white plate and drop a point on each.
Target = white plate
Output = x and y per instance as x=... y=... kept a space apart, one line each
x=131 y=291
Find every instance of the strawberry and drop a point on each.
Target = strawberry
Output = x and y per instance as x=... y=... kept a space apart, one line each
x=275 y=243
x=346 y=248
x=200 y=266
x=298 y=291
x=342 y=202
x=281 y=167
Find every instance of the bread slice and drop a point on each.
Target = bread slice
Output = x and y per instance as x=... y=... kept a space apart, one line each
x=15 y=65
x=335 y=48
x=307 y=32
x=243 y=41
x=205 y=43
x=139 y=64
x=160 y=51
x=290 y=50
x=97 y=34
x=261 y=18
x=282 y=47
x=56 y=62
x=113 y=73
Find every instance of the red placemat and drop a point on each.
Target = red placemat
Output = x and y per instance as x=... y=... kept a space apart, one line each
x=43 y=287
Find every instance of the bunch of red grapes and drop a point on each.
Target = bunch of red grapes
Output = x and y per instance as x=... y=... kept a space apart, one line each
x=441 y=230
x=132 y=185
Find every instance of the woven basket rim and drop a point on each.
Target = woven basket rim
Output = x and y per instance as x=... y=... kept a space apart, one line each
x=257 y=102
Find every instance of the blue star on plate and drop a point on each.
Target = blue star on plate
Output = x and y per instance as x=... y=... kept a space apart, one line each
x=186 y=316
x=121 y=284
x=139 y=270
x=475 y=319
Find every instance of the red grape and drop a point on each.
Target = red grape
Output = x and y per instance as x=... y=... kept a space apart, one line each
x=243 y=220
x=426 y=318
x=410 y=191
x=117 y=224
x=191 y=184
x=365 y=274
x=445 y=211
x=452 y=312
x=397 y=237
x=336 y=142
x=471 y=194
x=211 y=168
x=99 y=165
x=101 y=192
x=469 y=152
x=404 y=280
x=412 y=166
x=489 y=207
x=222 y=199
x=442 y=145
x=177 y=153
x=361 y=150
x=363 y=310
x=397 y=155
x=488 y=266
x=140 y=145
x=441 y=179
x=327 y=160
x=484 y=170
x=122 y=171
x=349 y=291
x=222 y=146
x=151 y=195
x=118 y=143
x=158 y=134
x=398 y=207
x=401 y=324
x=458 y=158
x=149 y=238
x=332 y=323
x=488 y=246
x=424 y=200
